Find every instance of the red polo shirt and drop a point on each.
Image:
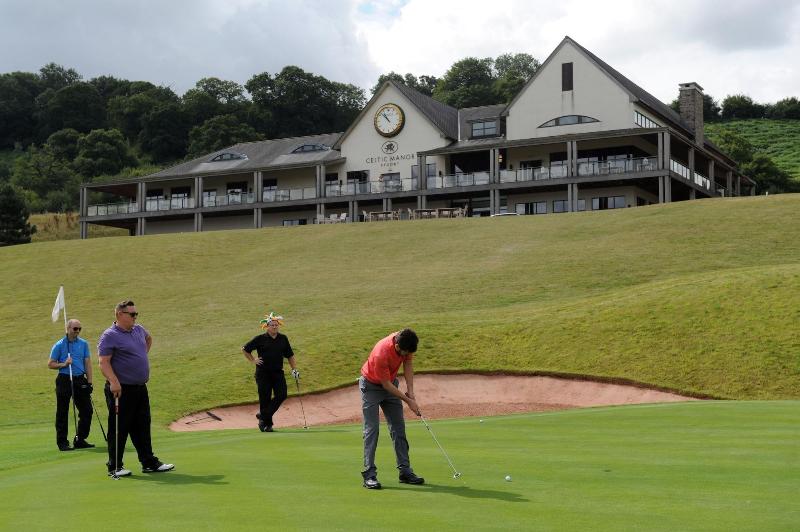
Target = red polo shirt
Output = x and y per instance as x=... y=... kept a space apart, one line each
x=383 y=362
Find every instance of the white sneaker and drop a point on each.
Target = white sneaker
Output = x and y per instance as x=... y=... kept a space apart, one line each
x=158 y=467
x=122 y=472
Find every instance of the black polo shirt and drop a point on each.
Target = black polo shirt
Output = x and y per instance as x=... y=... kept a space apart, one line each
x=271 y=351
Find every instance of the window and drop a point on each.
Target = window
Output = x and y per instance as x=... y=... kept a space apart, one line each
x=298 y=221
x=331 y=178
x=210 y=197
x=310 y=147
x=484 y=129
x=268 y=188
x=569 y=120
x=156 y=193
x=430 y=170
x=228 y=156
x=391 y=182
x=581 y=205
x=560 y=206
x=643 y=121
x=535 y=207
x=566 y=76
x=611 y=202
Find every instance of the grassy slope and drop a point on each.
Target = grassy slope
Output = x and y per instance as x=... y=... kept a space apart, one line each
x=780 y=139
x=697 y=296
x=65 y=226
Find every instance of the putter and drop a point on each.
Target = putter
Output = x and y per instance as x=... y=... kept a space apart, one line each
x=116 y=438
x=297 y=382
x=456 y=474
x=97 y=417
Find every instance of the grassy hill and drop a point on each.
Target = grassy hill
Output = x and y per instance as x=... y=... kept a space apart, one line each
x=65 y=226
x=700 y=297
x=780 y=139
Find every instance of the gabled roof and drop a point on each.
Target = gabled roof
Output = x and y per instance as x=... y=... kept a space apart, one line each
x=259 y=155
x=442 y=116
x=473 y=114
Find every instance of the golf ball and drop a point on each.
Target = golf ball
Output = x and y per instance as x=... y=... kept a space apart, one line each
x=508 y=478
x=481 y=421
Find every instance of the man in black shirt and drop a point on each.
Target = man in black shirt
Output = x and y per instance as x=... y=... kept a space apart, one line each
x=272 y=347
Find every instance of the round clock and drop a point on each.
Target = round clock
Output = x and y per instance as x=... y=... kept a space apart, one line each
x=389 y=120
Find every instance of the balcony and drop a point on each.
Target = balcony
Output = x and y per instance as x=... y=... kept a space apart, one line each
x=288 y=194
x=617 y=166
x=228 y=199
x=105 y=209
x=370 y=187
x=173 y=204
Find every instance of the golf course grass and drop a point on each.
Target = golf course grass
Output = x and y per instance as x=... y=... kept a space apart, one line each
x=698 y=297
x=687 y=466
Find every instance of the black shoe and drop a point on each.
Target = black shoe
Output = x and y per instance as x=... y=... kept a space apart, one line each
x=82 y=444
x=268 y=428
x=258 y=415
x=263 y=427
x=411 y=478
x=372 y=483
x=64 y=447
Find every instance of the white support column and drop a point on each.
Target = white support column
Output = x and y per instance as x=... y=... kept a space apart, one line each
x=661 y=188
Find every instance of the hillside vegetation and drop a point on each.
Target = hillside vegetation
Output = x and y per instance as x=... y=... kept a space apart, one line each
x=701 y=297
x=780 y=139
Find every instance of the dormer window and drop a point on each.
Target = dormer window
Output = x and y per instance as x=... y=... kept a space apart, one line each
x=228 y=156
x=569 y=120
x=310 y=147
x=485 y=128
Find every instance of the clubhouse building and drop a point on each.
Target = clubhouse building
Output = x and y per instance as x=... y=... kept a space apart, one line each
x=578 y=136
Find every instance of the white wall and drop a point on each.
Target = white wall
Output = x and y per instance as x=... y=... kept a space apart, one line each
x=594 y=94
x=362 y=147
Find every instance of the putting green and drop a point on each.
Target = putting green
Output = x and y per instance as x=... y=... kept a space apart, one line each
x=681 y=466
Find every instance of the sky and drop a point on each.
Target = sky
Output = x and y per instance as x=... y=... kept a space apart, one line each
x=726 y=46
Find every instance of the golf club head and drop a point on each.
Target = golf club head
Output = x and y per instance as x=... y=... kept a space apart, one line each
x=114 y=477
x=456 y=475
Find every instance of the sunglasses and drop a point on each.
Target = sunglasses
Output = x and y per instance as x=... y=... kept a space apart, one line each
x=131 y=314
x=76 y=329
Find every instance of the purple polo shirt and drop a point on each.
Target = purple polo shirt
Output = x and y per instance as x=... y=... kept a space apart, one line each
x=128 y=351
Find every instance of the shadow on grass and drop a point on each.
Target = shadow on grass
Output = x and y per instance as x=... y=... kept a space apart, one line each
x=172 y=477
x=466 y=491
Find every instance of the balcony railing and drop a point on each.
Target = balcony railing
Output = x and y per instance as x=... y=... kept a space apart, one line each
x=105 y=209
x=228 y=199
x=702 y=181
x=370 y=187
x=458 y=180
x=679 y=169
x=617 y=166
x=173 y=204
x=288 y=194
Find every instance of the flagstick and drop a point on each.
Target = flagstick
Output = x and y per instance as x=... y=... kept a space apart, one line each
x=69 y=355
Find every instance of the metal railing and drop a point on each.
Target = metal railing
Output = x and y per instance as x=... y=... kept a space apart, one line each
x=702 y=181
x=679 y=169
x=370 y=187
x=228 y=199
x=173 y=204
x=288 y=194
x=617 y=166
x=105 y=209
x=459 y=180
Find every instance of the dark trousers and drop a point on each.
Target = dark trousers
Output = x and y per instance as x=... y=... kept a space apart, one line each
x=134 y=420
x=270 y=382
x=82 y=402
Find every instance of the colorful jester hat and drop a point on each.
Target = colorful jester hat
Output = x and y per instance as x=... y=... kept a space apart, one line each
x=269 y=318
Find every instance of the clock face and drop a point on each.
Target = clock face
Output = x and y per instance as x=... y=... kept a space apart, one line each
x=389 y=120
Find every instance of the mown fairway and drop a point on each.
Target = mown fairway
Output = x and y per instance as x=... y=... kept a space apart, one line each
x=700 y=297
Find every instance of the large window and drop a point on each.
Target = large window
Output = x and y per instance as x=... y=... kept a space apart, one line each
x=310 y=147
x=484 y=129
x=561 y=205
x=228 y=157
x=610 y=202
x=430 y=170
x=534 y=207
x=298 y=221
x=569 y=120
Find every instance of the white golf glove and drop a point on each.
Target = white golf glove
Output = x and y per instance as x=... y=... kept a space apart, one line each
x=296 y=374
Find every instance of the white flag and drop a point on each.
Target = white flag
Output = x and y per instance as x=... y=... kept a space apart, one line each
x=59 y=304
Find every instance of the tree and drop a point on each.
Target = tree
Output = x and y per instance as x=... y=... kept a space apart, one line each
x=18 y=92
x=735 y=146
x=39 y=173
x=63 y=144
x=468 y=83
x=768 y=177
x=128 y=112
x=741 y=106
x=711 y=109
x=77 y=106
x=219 y=132
x=103 y=151
x=57 y=77
x=786 y=108
x=513 y=71
x=165 y=132
x=423 y=84
x=14 y=226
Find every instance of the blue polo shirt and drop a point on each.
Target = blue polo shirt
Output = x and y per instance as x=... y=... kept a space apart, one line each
x=79 y=350
x=128 y=351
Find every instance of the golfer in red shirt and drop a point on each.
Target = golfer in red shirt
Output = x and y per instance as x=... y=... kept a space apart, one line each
x=379 y=388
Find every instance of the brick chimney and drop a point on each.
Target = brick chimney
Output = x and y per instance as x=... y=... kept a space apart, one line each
x=690 y=102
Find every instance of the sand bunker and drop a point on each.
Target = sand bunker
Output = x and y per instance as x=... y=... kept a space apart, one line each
x=439 y=396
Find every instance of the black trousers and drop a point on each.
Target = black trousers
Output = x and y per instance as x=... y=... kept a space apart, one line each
x=270 y=382
x=83 y=403
x=134 y=420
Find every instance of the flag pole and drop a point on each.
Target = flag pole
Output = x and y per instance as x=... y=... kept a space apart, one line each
x=69 y=355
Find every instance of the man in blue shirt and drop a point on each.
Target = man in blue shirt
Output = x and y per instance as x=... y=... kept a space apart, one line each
x=72 y=353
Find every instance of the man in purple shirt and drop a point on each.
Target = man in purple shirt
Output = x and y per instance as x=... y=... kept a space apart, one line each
x=122 y=350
